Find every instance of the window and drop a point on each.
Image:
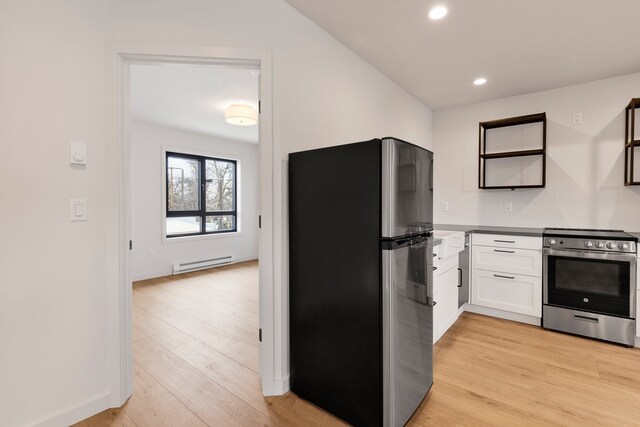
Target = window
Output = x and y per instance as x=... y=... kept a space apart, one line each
x=201 y=195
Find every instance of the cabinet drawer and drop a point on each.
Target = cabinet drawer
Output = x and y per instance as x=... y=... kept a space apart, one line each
x=518 y=261
x=505 y=241
x=509 y=292
x=448 y=278
x=445 y=264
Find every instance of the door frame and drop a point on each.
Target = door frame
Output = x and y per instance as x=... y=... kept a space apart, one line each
x=119 y=316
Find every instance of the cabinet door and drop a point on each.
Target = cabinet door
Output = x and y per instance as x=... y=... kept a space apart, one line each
x=446 y=308
x=637 y=320
x=509 y=292
x=518 y=261
x=438 y=317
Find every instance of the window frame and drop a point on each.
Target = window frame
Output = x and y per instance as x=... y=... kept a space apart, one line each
x=202 y=213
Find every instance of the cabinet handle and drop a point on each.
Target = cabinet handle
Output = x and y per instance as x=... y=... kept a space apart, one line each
x=459 y=277
x=505 y=241
x=504 y=252
x=586 y=319
x=503 y=277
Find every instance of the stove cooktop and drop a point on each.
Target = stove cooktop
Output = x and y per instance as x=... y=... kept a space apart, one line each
x=588 y=233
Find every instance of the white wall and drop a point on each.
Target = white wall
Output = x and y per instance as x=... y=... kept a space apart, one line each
x=585 y=163
x=57 y=275
x=146 y=194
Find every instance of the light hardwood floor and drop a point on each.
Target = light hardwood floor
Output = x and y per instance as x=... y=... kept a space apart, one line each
x=196 y=364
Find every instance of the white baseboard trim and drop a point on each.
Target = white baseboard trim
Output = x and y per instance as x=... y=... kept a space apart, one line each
x=78 y=413
x=246 y=258
x=152 y=275
x=169 y=270
x=516 y=317
x=277 y=387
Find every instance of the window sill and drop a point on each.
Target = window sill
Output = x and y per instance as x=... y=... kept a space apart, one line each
x=182 y=239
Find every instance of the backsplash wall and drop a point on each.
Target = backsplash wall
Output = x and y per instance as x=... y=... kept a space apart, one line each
x=585 y=163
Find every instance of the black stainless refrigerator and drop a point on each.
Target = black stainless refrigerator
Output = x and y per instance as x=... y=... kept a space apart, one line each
x=361 y=279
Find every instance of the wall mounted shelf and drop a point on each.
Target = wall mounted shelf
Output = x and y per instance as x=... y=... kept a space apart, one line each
x=505 y=140
x=631 y=141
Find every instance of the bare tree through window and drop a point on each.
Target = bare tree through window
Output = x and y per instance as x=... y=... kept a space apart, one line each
x=201 y=195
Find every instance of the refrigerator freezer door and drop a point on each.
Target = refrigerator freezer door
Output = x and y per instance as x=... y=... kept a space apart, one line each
x=407 y=189
x=407 y=329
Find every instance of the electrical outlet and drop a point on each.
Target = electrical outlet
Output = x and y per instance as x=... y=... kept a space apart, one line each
x=577 y=118
x=508 y=207
x=445 y=206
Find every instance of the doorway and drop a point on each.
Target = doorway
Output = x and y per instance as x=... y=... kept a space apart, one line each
x=248 y=60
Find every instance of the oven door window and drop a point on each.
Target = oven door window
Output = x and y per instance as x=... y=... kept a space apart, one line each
x=599 y=286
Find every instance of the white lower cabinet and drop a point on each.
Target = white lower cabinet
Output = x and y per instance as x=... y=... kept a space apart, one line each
x=510 y=292
x=445 y=287
x=637 y=317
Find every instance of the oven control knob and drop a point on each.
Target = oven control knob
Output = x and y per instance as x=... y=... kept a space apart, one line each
x=552 y=241
x=588 y=243
x=599 y=245
x=623 y=246
x=611 y=245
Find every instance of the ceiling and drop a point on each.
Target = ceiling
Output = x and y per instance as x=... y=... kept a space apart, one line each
x=519 y=46
x=193 y=97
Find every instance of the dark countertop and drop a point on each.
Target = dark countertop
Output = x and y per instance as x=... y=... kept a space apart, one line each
x=489 y=229
x=635 y=234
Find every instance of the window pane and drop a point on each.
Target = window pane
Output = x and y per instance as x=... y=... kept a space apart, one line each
x=183 y=183
x=220 y=185
x=221 y=223
x=183 y=225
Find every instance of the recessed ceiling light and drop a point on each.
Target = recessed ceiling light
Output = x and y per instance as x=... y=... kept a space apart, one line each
x=480 y=81
x=438 y=12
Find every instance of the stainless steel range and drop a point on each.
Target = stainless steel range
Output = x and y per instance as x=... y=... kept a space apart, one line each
x=589 y=283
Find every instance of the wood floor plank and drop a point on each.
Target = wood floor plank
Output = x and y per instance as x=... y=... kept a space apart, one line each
x=488 y=410
x=167 y=305
x=211 y=402
x=158 y=329
x=115 y=417
x=243 y=382
x=137 y=334
x=153 y=405
x=245 y=354
x=589 y=384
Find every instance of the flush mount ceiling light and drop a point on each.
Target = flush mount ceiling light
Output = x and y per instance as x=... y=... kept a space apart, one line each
x=438 y=12
x=479 y=81
x=240 y=115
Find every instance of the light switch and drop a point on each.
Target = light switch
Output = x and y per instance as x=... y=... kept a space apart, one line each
x=77 y=153
x=577 y=119
x=78 y=210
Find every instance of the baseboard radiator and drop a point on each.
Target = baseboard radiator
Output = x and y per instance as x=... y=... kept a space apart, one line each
x=186 y=267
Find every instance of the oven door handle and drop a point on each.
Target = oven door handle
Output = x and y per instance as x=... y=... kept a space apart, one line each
x=590 y=255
